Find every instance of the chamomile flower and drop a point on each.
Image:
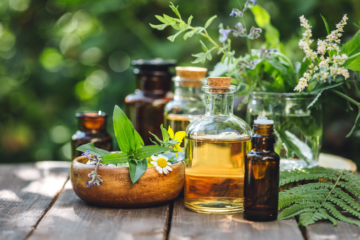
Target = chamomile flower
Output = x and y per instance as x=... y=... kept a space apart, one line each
x=161 y=163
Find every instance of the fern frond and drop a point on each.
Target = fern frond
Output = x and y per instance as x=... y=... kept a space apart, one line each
x=351 y=187
x=310 y=218
x=297 y=209
x=344 y=206
x=337 y=214
x=317 y=200
x=347 y=198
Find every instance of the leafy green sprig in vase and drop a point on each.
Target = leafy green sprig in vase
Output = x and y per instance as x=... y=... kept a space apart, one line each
x=134 y=154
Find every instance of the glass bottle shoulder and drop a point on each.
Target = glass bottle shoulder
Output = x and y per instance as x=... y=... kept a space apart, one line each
x=183 y=106
x=219 y=124
x=255 y=155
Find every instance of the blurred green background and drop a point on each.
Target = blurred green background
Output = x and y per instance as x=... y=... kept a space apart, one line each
x=58 y=57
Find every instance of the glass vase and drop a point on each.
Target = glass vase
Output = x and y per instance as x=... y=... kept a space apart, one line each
x=298 y=128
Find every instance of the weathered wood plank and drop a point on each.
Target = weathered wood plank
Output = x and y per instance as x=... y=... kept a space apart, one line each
x=189 y=225
x=325 y=230
x=71 y=218
x=26 y=192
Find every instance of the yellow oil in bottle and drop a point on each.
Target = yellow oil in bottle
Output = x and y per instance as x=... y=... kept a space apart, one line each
x=214 y=174
x=177 y=122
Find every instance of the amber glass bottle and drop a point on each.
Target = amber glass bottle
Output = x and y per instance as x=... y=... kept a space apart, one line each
x=187 y=104
x=261 y=188
x=91 y=128
x=145 y=107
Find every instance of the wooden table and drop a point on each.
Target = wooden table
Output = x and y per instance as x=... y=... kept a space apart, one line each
x=37 y=202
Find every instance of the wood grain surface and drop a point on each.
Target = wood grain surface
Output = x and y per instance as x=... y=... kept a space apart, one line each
x=26 y=192
x=190 y=225
x=325 y=230
x=71 y=218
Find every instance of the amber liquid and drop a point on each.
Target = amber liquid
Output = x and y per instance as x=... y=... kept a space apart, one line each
x=214 y=175
x=177 y=122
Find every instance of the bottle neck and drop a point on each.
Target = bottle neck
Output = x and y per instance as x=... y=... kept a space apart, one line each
x=187 y=93
x=153 y=82
x=92 y=123
x=219 y=103
x=263 y=138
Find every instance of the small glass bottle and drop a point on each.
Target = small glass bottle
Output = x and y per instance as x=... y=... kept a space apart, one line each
x=145 y=107
x=91 y=128
x=215 y=149
x=187 y=104
x=262 y=174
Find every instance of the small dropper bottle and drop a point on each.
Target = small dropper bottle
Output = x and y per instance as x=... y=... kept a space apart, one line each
x=261 y=186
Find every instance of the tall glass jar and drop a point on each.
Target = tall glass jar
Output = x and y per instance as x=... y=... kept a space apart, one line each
x=187 y=104
x=91 y=128
x=145 y=107
x=215 y=149
x=298 y=128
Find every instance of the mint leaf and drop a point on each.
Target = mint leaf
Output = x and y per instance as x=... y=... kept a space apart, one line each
x=172 y=38
x=137 y=170
x=92 y=149
x=124 y=131
x=148 y=151
x=189 y=20
x=161 y=19
x=159 y=27
x=208 y=22
x=188 y=34
x=115 y=158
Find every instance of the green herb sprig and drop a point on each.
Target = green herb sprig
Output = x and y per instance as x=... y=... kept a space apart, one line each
x=131 y=144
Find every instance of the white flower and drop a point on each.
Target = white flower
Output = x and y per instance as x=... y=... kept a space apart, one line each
x=161 y=163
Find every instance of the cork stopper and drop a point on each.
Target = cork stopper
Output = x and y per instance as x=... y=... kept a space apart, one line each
x=191 y=76
x=221 y=83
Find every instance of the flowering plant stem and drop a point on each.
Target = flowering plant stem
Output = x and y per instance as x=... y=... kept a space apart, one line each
x=346 y=97
x=206 y=35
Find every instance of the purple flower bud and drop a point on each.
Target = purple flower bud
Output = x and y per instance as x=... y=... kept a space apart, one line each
x=273 y=50
x=254 y=2
x=225 y=33
x=87 y=154
x=236 y=13
x=254 y=33
x=239 y=27
x=89 y=183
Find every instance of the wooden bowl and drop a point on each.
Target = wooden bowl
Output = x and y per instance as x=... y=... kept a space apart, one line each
x=117 y=190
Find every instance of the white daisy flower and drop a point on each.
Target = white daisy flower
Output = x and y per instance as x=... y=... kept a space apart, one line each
x=161 y=163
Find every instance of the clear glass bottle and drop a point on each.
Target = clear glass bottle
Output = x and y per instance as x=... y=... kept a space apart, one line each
x=215 y=149
x=145 y=107
x=187 y=104
x=262 y=174
x=91 y=128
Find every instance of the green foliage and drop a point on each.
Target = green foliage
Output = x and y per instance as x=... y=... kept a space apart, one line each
x=92 y=149
x=258 y=69
x=131 y=145
x=327 y=193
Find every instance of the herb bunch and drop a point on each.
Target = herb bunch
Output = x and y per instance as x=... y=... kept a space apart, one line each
x=266 y=68
x=132 y=146
x=327 y=195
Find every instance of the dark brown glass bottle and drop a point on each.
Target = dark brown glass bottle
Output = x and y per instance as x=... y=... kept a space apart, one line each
x=261 y=187
x=145 y=107
x=91 y=128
